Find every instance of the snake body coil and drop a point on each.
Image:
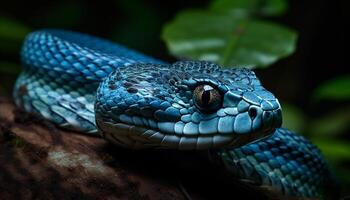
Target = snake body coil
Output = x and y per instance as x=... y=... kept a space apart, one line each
x=91 y=85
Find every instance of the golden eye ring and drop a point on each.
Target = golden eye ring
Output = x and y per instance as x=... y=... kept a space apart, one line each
x=206 y=98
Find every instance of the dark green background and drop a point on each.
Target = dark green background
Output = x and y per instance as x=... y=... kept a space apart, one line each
x=295 y=80
x=137 y=24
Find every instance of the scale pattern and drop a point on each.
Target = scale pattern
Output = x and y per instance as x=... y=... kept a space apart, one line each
x=94 y=86
x=285 y=162
x=153 y=105
x=62 y=71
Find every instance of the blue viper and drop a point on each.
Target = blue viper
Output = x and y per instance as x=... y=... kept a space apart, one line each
x=91 y=85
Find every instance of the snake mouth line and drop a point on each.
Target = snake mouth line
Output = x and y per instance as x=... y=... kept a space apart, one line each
x=136 y=137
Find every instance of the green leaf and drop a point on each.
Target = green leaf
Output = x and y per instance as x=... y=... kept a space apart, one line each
x=338 y=154
x=335 y=89
x=293 y=118
x=247 y=8
x=333 y=149
x=227 y=40
x=11 y=35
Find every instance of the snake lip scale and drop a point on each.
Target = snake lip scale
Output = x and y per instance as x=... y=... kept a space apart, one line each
x=147 y=116
x=96 y=87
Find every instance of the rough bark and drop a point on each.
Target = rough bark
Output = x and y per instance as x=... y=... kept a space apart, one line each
x=40 y=161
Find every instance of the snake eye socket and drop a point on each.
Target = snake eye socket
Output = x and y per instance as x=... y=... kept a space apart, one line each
x=206 y=98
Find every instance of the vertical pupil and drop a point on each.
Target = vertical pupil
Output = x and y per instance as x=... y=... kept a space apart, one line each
x=206 y=97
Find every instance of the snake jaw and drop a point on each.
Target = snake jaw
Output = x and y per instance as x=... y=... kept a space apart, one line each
x=131 y=136
x=145 y=107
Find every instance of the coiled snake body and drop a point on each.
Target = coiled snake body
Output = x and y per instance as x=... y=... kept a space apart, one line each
x=91 y=85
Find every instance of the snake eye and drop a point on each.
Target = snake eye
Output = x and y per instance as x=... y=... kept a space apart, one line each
x=206 y=98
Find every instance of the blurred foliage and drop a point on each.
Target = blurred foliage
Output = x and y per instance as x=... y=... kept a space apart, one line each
x=63 y=14
x=233 y=33
x=244 y=8
x=230 y=34
x=337 y=153
x=246 y=33
x=293 y=118
x=331 y=123
x=336 y=89
x=11 y=35
x=130 y=29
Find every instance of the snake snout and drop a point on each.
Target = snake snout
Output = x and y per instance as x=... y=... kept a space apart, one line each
x=272 y=119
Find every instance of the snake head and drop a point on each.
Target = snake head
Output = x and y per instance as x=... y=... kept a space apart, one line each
x=186 y=105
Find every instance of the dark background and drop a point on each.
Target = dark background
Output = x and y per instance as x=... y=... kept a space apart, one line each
x=319 y=57
x=320 y=53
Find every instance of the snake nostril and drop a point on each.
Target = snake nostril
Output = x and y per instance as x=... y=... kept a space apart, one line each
x=252 y=112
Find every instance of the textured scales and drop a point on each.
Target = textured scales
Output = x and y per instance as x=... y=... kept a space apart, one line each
x=62 y=72
x=284 y=164
x=152 y=105
x=91 y=85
